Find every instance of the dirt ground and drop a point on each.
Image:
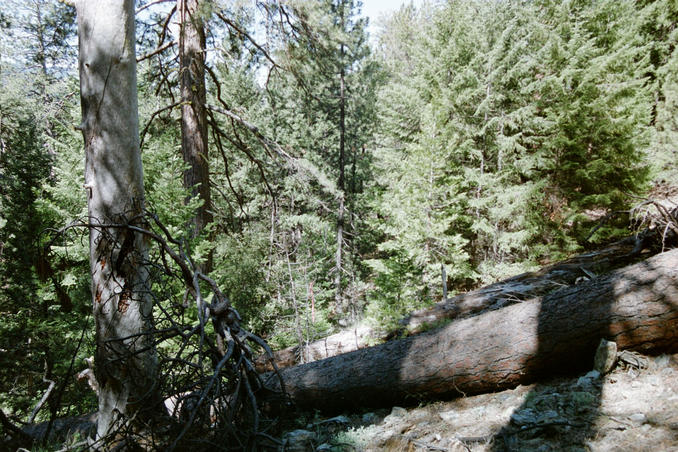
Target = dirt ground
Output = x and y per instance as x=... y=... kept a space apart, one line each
x=632 y=408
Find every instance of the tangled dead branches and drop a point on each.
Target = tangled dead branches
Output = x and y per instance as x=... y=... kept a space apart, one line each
x=658 y=218
x=654 y=221
x=207 y=392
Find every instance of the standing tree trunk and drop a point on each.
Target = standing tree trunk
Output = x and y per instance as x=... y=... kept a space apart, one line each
x=125 y=360
x=339 y=294
x=193 y=110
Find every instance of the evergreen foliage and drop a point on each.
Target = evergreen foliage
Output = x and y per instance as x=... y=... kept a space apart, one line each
x=482 y=138
x=44 y=285
x=533 y=117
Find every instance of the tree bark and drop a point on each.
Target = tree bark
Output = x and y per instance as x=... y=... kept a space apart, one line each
x=125 y=357
x=528 y=285
x=193 y=108
x=495 y=296
x=636 y=307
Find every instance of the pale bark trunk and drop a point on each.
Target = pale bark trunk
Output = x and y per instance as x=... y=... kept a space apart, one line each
x=193 y=110
x=125 y=358
x=636 y=307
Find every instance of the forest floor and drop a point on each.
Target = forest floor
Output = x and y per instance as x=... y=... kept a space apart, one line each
x=632 y=408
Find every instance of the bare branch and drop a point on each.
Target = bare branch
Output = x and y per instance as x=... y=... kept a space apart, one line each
x=43 y=399
x=9 y=425
x=219 y=392
x=156 y=51
x=148 y=124
x=268 y=144
x=244 y=33
x=148 y=5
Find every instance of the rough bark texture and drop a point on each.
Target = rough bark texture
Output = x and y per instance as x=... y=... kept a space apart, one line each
x=494 y=296
x=125 y=358
x=528 y=285
x=193 y=109
x=637 y=307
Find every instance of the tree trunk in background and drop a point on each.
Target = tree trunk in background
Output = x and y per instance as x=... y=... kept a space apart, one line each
x=193 y=110
x=125 y=357
x=339 y=301
x=495 y=296
x=637 y=307
x=339 y=294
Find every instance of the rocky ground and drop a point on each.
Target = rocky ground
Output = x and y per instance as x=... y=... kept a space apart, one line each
x=632 y=408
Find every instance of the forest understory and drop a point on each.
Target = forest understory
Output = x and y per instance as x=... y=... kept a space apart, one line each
x=628 y=402
x=445 y=208
x=633 y=408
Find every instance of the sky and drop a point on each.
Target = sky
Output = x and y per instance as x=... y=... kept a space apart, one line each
x=373 y=9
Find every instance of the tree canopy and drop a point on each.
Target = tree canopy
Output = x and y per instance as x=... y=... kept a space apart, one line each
x=350 y=178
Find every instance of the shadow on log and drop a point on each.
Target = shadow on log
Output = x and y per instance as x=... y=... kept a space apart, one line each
x=636 y=306
x=494 y=296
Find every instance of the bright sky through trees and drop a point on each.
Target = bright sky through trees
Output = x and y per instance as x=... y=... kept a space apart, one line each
x=374 y=9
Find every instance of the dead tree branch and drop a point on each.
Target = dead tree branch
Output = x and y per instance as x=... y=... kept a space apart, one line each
x=204 y=353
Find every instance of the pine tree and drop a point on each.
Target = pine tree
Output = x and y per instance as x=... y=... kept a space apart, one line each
x=594 y=98
x=325 y=93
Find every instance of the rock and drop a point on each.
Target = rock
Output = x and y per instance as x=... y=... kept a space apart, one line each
x=529 y=416
x=298 y=440
x=524 y=417
x=548 y=416
x=592 y=375
x=583 y=399
x=606 y=356
x=449 y=416
x=662 y=361
x=418 y=415
x=588 y=379
x=386 y=436
x=396 y=413
x=667 y=371
x=506 y=414
x=637 y=417
x=343 y=420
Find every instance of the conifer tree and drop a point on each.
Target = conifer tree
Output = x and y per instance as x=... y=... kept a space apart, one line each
x=594 y=99
x=194 y=143
x=328 y=66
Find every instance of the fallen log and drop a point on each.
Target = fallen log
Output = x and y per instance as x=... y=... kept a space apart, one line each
x=495 y=296
x=532 y=284
x=636 y=307
x=342 y=342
